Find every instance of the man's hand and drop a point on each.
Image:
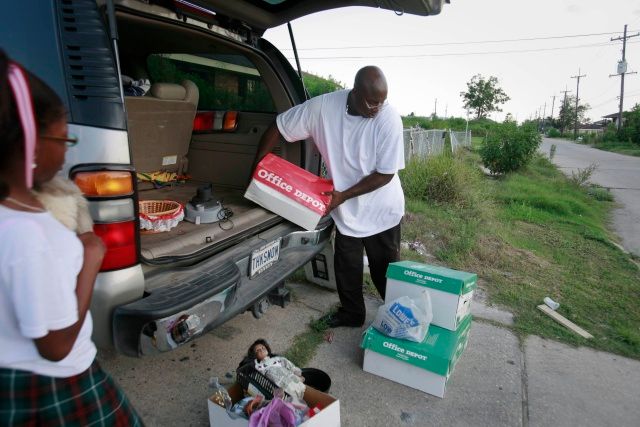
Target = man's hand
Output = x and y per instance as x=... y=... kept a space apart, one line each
x=337 y=198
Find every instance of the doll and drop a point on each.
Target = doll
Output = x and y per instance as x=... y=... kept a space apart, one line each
x=278 y=369
x=65 y=201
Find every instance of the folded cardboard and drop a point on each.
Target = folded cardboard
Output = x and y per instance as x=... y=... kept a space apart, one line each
x=450 y=290
x=425 y=366
x=289 y=191
x=329 y=416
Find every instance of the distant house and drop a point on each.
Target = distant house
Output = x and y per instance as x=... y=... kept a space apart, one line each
x=613 y=118
x=596 y=128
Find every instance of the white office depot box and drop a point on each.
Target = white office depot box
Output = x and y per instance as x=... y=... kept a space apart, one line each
x=450 y=290
x=426 y=366
x=329 y=416
x=289 y=191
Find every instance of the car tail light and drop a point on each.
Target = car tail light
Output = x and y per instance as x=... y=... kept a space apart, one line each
x=208 y=121
x=203 y=121
x=112 y=205
x=105 y=183
x=120 y=240
x=230 y=121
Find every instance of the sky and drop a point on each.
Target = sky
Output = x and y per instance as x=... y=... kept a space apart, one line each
x=429 y=60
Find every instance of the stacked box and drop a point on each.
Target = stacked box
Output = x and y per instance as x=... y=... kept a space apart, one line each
x=425 y=366
x=450 y=290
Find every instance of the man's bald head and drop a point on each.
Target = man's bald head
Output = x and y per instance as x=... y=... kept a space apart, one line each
x=370 y=79
x=369 y=92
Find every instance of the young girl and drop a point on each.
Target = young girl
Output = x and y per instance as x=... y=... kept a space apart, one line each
x=48 y=372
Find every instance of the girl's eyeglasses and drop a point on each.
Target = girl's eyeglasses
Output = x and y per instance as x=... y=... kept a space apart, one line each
x=70 y=140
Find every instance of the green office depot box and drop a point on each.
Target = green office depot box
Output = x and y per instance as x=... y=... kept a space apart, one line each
x=425 y=366
x=450 y=290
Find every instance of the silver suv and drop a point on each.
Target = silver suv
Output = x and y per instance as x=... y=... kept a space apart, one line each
x=211 y=86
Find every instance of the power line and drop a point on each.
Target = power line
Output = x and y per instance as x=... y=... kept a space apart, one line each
x=458 y=54
x=462 y=42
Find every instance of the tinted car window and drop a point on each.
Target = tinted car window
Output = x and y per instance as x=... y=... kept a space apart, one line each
x=225 y=82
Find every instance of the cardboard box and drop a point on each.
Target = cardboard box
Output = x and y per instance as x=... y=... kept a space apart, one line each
x=327 y=417
x=425 y=366
x=289 y=191
x=450 y=290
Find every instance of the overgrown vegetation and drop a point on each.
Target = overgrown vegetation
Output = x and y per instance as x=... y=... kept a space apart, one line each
x=317 y=85
x=531 y=234
x=508 y=147
x=441 y=179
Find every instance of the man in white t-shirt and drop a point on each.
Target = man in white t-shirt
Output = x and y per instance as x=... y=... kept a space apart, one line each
x=359 y=136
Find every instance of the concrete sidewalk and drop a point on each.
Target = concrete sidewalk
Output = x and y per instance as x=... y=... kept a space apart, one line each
x=498 y=381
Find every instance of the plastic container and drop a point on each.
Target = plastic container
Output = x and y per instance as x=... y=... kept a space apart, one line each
x=551 y=303
x=317 y=379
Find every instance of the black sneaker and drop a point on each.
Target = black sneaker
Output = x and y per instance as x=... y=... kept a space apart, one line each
x=334 y=320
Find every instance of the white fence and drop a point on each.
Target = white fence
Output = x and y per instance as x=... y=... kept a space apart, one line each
x=431 y=142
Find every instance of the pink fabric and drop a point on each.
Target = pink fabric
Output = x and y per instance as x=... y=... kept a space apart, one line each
x=22 y=94
x=276 y=414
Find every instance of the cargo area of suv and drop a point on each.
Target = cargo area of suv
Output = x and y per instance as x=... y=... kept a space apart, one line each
x=195 y=72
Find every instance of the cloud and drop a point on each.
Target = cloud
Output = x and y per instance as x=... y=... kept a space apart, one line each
x=574 y=8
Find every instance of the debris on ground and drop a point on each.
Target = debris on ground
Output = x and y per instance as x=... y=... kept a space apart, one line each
x=564 y=321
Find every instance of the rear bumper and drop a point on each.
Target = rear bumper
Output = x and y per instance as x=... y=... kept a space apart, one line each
x=198 y=298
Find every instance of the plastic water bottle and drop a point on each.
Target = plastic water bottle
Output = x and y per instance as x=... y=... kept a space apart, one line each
x=551 y=303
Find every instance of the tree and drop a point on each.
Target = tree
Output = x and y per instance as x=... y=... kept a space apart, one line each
x=483 y=96
x=317 y=85
x=509 y=118
x=567 y=115
x=631 y=126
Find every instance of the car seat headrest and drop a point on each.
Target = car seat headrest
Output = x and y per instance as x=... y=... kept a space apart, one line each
x=168 y=91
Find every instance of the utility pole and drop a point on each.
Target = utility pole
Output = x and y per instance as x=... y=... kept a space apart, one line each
x=552 y=104
x=564 y=105
x=544 y=114
x=575 y=129
x=435 y=110
x=622 y=70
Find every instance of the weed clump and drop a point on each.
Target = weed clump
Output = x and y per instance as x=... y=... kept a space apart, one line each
x=441 y=179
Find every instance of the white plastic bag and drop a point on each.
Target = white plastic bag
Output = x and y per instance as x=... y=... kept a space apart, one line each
x=406 y=318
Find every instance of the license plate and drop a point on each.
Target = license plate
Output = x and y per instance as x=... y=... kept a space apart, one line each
x=265 y=257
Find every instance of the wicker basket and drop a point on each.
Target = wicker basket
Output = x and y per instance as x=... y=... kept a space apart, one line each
x=248 y=375
x=159 y=207
x=160 y=215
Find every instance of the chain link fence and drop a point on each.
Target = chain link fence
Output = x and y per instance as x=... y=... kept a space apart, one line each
x=459 y=140
x=423 y=143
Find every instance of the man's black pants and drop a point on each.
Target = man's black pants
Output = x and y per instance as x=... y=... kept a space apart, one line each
x=381 y=249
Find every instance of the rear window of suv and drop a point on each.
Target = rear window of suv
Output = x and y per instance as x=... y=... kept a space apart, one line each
x=225 y=82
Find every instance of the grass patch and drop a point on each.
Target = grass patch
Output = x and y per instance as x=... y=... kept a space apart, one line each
x=305 y=344
x=533 y=234
x=628 y=148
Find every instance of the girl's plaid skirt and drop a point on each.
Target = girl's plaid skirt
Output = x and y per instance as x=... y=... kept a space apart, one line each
x=91 y=398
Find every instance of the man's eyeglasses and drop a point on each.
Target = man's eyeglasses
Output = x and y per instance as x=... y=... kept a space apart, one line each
x=69 y=140
x=374 y=105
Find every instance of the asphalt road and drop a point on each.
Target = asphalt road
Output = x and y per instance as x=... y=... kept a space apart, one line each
x=617 y=172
